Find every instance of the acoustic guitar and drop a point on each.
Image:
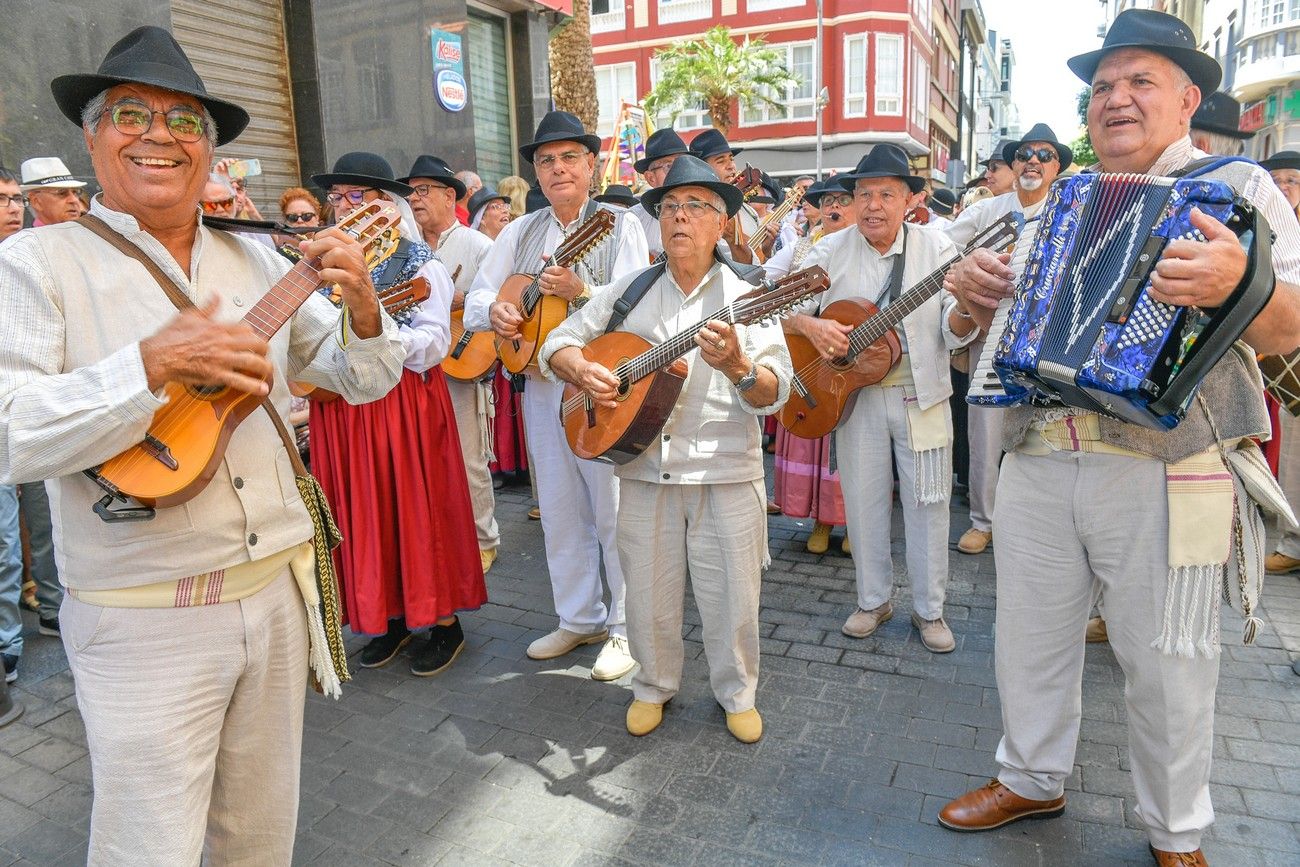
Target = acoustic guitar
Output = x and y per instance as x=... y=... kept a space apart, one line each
x=187 y=439
x=651 y=376
x=824 y=391
x=472 y=353
x=541 y=312
x=396 y=299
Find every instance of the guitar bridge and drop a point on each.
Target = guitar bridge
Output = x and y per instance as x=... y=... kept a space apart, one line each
x=459 y=348
x=159 y=451
x=590 y=406
x=116 y=516
x=801 y=388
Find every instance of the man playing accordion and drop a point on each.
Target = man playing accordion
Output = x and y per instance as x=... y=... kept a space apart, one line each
x=1086 y=498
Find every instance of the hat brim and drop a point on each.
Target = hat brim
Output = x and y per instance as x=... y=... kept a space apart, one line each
x=627 y=201
x=1230 y=131
x=1063 y=152
x=731 y=195
x=1201 y=68
x=57 y=185
x=452 y=182
x=590 y=142
x=735 y=152
x=644 y=163
x=72 y=92
x=850 y=181
x=473 y=212
x=1284 y=163
x=395 y=187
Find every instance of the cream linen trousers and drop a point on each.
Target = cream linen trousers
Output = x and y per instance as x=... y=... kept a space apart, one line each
x=719 y=534
x=1065 y=521
x=194 y=722
x=1288 y=474
x=470 y=427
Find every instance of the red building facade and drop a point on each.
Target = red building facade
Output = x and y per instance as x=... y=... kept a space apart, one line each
x=877 y=57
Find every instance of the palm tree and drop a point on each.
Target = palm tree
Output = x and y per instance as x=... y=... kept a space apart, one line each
x=573 y=78
x=718 y=73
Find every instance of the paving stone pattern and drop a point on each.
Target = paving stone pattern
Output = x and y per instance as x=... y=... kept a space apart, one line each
x=502 y=760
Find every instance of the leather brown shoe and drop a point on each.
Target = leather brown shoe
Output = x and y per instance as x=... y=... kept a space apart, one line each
x=1179 y=859
x=1096 y=632
x=862 y=623
x=993 y=806
x=1278 y=563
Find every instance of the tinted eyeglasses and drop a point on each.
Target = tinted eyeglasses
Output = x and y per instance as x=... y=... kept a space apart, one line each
x=356 y=197
x=842 y=200
x=423 y=190
x=303 y=218
x=219 y=205
x=1045 y=155
x=131 y=117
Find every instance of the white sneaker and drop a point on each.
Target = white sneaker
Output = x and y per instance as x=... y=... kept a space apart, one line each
x=614 y=660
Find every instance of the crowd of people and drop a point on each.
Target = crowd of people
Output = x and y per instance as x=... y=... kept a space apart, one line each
x=193 y=623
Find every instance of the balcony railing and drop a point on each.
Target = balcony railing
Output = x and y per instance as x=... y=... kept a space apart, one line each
x=672 y=11
x=608 y=22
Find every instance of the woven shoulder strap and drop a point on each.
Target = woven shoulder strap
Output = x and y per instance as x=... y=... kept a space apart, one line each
x=177 y=297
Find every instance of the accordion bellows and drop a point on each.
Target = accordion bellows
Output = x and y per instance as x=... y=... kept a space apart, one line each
x=1082 y=330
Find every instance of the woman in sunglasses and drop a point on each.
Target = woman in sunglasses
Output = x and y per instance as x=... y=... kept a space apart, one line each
x=300 y=208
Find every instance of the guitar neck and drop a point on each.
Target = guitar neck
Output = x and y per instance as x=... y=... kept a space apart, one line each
x=874 y=328
x=565 y=257
x=659 y=357
x=292 y=290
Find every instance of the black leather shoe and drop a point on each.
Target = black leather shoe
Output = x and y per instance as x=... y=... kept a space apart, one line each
x=380 y=651
x=440 y=651
x=49 y=626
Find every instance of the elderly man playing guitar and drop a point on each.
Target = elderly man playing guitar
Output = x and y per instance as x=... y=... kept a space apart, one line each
x=186 y=634
x=695 y=497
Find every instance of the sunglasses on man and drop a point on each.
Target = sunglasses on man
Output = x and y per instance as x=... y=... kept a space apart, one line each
x=1045 y=155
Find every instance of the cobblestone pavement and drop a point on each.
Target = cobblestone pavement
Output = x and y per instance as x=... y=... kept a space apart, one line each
x=504 y=760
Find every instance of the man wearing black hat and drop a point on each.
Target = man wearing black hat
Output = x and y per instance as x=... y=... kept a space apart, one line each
x=1036 y=160
x=618 y=195
x=694 y=501
x=187 y=634
x=1284 y=168
x=662 y=148
x=998 y=176
x=1083 y=500
x=905 y=419
x=941 y=203
x=712 y=147
x=578 y=499
x=435 y=191
x=1216 y=126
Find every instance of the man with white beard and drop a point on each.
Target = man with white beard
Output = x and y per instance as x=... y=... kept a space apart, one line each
x=1035 y=160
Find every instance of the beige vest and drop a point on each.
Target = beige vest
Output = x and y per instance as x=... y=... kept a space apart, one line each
x=251 y=509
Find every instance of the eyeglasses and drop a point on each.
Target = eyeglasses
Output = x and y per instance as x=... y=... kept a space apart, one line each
x=842 y=200
x=694 y=209
x=303 y=218
x=568 y=159
x=218 y=205
x=134 y=118
x=423 y=190
x=1045 y=155
x=1279 y=181
x=659 y=167
x=356 y=197
x=6 y=201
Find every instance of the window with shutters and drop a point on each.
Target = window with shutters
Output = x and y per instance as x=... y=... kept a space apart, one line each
x=797 y=102
x=488 y=58
x=696 y=118
x=889 y=73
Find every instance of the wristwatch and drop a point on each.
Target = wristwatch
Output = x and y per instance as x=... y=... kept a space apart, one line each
x=749 y=380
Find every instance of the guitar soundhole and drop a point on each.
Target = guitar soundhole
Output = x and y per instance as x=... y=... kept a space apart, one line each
x=624 y=383
x=206 y=392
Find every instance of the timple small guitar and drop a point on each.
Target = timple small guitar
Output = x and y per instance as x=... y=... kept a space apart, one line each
x=541 y=312
x=651 y=377
x=823 y=391
x=187 y=439
x=472 y=353
x=396 y=299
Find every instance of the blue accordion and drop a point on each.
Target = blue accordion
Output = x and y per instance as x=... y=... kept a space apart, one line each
x=1081 y=330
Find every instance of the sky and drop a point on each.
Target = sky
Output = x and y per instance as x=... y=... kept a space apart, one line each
x=1042 y=36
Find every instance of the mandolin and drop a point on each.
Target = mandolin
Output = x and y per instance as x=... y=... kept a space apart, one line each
x=187 y=438
x=472 y=353
x=824 y=390
x=651 y=376
x=396 y=299
x=757 y=242
x=543 y=312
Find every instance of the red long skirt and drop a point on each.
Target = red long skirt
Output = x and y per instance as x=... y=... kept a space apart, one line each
x=394 y=476
x=508 y=426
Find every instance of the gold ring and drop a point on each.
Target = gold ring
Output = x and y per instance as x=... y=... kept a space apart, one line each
x=721 y=344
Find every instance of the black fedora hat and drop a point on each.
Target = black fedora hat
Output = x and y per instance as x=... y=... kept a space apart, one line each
x=1220 y=113
x=997 y=152
x=481 y=197
x=942 y=201
x=711 y=143
x=1282 y=160
x=365 y=170
x=662 y=143
x=617 y=194
x=883 y=161
x=691 y=171
x=560 y=126
x=813 y=195
x=1039 y=132
x=1158 y=32
x=435 y=169
x=535 y=200
x=147 y=55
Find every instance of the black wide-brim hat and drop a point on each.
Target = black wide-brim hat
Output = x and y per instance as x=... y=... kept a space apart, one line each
x=1282 y=160
x=364 y=170
x=1158 y=32
x=617 y=194
x=481 y=197
x=943 y=201
x=147 y=55
x=560 y=126
x=1220 y=113
x=691 y=171
x=662 y=143
x=883 y=161
x=813 y=195
x=1039 y=132
x=711 y=143
x=435 y=169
